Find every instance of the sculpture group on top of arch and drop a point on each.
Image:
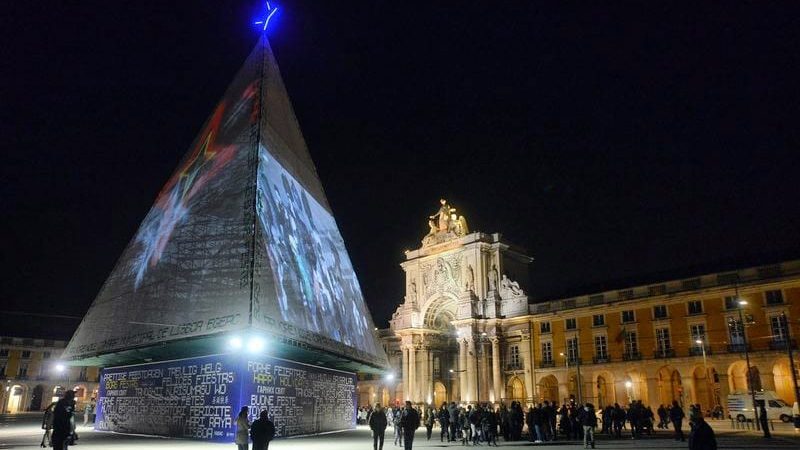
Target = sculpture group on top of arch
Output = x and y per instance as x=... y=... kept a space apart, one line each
x=445 y=225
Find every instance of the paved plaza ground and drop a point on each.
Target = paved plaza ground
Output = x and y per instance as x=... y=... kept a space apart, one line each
x=22 y=431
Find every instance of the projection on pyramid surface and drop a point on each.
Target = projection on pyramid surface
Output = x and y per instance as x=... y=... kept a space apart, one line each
x=240 y=237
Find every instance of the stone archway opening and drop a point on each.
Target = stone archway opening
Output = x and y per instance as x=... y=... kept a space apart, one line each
x=515 y=390
x=738 y=379
x=548 y=389
x=670 y=386
x=439 y=393
x=16 y=402
x=37 y=395
x=604 y=389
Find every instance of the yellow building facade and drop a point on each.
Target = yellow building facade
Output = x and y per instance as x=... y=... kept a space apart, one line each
x=32 y=376
x=467 y=332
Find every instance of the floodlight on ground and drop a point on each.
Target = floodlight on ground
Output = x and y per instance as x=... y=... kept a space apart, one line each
x=235 y=343
x=255 y=344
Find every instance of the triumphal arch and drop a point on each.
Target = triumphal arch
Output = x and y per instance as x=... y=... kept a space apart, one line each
x=463 y=289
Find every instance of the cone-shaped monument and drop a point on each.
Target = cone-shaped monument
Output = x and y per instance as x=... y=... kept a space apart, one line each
x=239 y=257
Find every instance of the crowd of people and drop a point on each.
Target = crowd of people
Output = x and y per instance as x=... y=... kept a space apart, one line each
x=483 y=424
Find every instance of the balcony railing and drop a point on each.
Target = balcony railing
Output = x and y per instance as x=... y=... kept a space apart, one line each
x=573 y=361
x=738 y=348
x=698 y=351
x=631 y=356
x=601 y=359
x=546 y=364
x=514 y=366
x=664 y=353
x=782 y=344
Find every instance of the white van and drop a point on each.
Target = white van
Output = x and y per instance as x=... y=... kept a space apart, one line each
x=740 y=406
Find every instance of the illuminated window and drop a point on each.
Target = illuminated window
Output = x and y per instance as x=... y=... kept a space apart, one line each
x=695 y=307
x=23 y=370
x=735 y=332
x=663 y=344
x=572 y=349
x=571 y=324
x=660 y=312
x=514 y=358
x=731 y=303
x=437 y=367
x=631 y=343
x=600 y=347
x=547 y=352
x=778 y=327
x=598 y=320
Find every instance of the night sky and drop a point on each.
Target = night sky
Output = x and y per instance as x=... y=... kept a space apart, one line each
x=617 y=143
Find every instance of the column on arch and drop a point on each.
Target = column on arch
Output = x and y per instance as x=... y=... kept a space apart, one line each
x=497 y=382
x=406 y=381
x=472 y=370
x=463 y=383
x=412 y=373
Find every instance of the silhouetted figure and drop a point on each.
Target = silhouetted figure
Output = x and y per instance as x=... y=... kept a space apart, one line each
x=378 y=424
x=409 y=422
x=676 y=416
x=702 y=436
x=63 y=421
x=762 y=419
x=262 y=431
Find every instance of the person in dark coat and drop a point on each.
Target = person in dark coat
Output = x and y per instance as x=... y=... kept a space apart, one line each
x=63 y=425
x=444 y=421
x=409 y=422
x=262 y=431
x=702 y=436
x=676 y=416
x=762 y=418
x=588 y=420
x=378 y=424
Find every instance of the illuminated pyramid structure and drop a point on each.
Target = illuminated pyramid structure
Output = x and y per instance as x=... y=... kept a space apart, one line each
x=241 y=241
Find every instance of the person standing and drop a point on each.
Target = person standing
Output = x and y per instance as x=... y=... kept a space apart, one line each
x=702 y=436
x=262 y=431
x=63 y=421
x=762 y=418
x=409 y=423
x=444 y=422
x=243 y=429
x=378 y=424
x=676 y=416
x=429 y=419
x=588 y=419
x=453 y=410
x=398 y=426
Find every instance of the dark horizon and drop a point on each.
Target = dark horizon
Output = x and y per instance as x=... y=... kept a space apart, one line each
x=614 y=143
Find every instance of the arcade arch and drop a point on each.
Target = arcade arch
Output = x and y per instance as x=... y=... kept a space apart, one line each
x=515 y=390
x=548 y=389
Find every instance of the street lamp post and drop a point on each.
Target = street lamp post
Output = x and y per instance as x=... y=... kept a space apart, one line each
x=787 y=327
x=749 y=378
x=577 y=374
